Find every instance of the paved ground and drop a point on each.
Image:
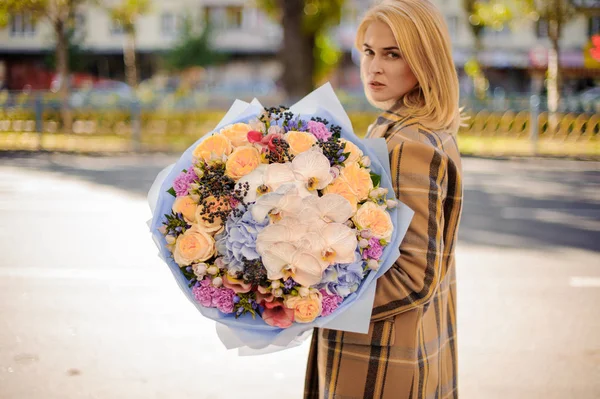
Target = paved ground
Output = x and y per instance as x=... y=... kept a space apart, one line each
x=87 y=310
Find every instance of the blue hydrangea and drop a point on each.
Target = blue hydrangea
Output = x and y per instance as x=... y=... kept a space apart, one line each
x=237 y=241
x=343 y=279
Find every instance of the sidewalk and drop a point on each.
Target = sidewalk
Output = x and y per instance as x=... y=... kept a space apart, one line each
x=89 y=311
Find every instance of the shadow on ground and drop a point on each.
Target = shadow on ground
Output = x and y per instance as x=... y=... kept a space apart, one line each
x=508 y=204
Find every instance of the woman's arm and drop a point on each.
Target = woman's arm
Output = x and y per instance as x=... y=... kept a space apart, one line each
x=419 y=179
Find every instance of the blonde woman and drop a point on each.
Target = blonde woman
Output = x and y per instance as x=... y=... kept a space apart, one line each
x=410 y=350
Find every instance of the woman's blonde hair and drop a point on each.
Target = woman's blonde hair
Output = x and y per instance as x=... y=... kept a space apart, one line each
x=424 y=42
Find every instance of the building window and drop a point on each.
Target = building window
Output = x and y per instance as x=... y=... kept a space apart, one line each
x=22 y=25
x=79 y=25
x=452 y=21
x=541 y=29
x=497 y=34
x=233 y=17
x=116 y=28
x=167 y=24
x=594 y=26
x=224 y=17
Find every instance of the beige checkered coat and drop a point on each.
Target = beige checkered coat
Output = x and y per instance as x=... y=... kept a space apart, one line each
x=410 y=350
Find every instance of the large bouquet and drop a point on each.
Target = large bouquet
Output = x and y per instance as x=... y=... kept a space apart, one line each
x=277 y=221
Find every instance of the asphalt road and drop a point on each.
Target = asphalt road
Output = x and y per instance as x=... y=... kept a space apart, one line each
x=87 y=309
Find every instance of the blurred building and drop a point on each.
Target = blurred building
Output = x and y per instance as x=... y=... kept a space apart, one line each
x=515 y=59
x=240 y=30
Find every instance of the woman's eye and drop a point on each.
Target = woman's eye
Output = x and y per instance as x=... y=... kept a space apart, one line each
x=393 y=56
x=369 y=52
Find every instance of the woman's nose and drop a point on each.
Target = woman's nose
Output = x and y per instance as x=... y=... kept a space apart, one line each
x=375 y=66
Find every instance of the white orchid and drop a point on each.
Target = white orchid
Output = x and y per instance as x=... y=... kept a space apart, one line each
x=312 y=168
x=255 y=179
x=331 y=207
x=340 y=243
x=283 y=260
x=286 y=200
x=269 y=178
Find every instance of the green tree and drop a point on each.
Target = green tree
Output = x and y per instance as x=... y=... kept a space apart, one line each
x=554 y=14
x=192 y=49
x=77 y=56
x=306 y=52
x=60 y=14
x=126 y=14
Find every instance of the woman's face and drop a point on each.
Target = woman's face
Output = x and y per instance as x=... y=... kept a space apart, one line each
x=386 y=75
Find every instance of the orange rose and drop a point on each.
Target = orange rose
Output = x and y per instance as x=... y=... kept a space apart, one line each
x=213 y=148
x=237 y=133
x=299 y=141
x=193 y=245
x=375 y=218
x=186 y=206
x=201 y=213
x=341 y=187
x=242 y=161
x=358 y=179
x=355 y=152
x=306 y=309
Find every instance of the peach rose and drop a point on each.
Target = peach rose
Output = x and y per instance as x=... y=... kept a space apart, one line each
x=193 y=245
x=212 y=148
x=358 y=179
x=299 y=141
x=355 y=152
x=186 y=206
x=242 y=161
x=201 y=213
x=341 y=187
x=237 y=133
x=375 y=218
x=306 y=309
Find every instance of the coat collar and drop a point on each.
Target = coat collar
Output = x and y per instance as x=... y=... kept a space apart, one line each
x=395 y=114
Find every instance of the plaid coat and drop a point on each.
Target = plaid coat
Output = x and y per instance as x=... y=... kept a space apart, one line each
x=410 y=349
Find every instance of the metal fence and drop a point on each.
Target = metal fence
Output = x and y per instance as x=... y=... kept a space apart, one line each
x=32 y=122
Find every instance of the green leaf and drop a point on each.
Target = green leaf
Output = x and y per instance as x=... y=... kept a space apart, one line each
x=172 y=192
x=375 y=178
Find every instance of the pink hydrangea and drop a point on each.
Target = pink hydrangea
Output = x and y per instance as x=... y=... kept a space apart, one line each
x=182 y=182
x=319 y=130
x=374 y=251
x=330 y=303
x=204 y=293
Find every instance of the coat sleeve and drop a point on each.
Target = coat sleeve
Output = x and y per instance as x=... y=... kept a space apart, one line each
x=418 y=172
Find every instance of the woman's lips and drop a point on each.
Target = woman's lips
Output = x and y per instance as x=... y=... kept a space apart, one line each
x=376 y=86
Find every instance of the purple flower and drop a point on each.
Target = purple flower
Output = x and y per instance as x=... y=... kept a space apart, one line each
x=319 y=130
x=182 y=182
x=204 y=293
x=223 y=299
x=374 y=251
x=330 y=303
x=295 y=124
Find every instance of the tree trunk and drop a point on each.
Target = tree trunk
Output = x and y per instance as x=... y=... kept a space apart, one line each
x=553 y=74
x=479 y=81
x=129 y=59
x=62 y=68
x=296 y=54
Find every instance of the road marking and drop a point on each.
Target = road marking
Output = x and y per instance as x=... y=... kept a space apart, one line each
x=580 y=282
